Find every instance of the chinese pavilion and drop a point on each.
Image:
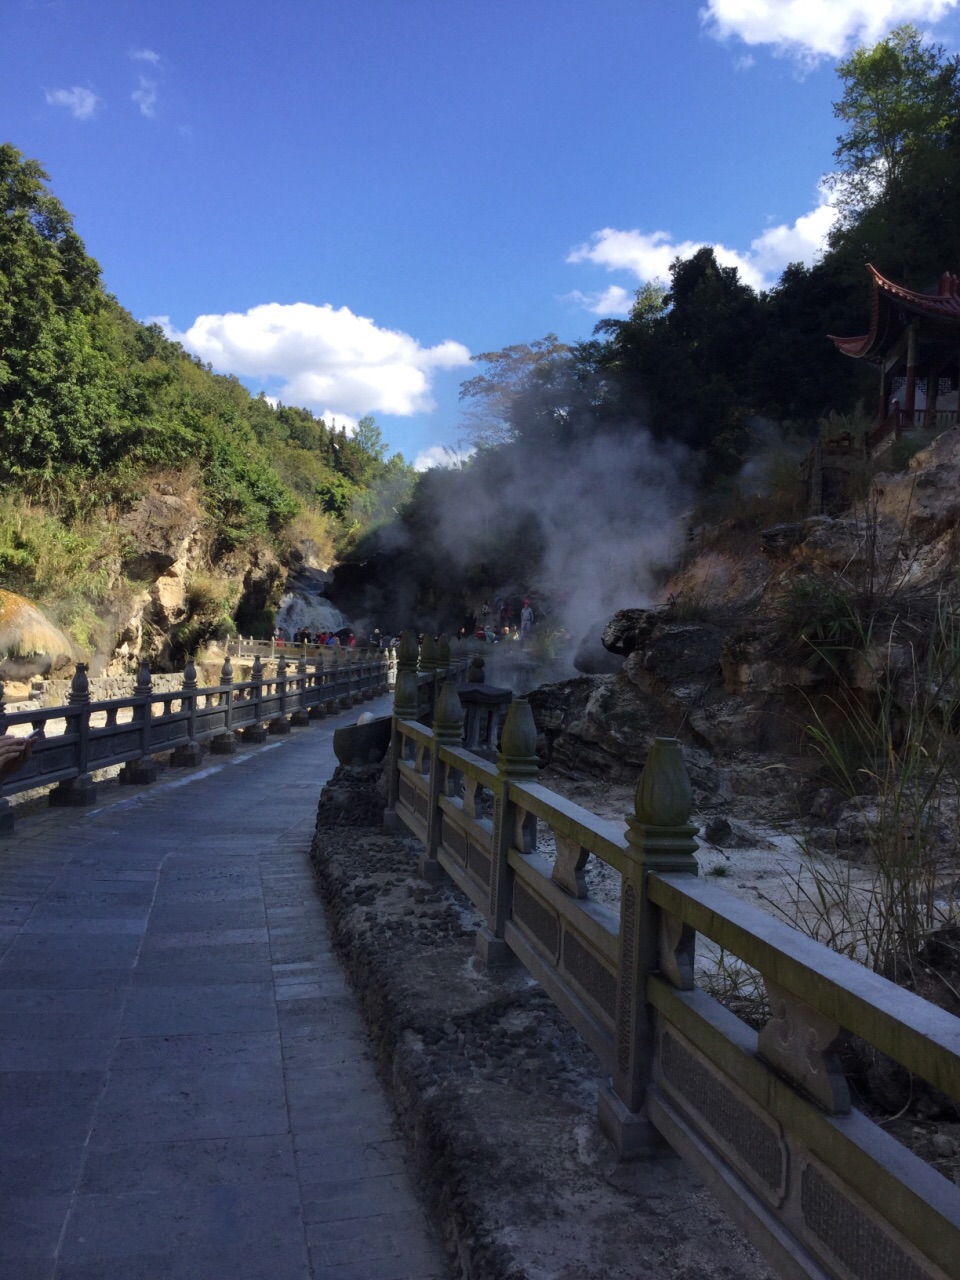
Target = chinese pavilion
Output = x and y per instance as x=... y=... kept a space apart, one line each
x=914 y=340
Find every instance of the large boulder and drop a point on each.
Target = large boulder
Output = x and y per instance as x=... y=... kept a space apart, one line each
x=629 y=630
x=592 y=658
x=30 y=644
x=161 y=530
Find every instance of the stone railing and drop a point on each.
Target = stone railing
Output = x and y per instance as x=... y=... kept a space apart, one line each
x=764 y=1119
x=83 y=736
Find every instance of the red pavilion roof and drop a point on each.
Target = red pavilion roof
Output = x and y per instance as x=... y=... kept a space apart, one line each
x=891 y=306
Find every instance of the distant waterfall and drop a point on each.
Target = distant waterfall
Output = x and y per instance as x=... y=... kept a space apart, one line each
x=305 y=609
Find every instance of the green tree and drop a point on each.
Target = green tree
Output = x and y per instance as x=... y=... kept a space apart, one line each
x=489 y=418
x=900 y=104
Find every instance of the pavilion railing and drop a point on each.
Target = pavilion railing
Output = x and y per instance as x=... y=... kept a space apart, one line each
x=765 y=1119
x=899 y=420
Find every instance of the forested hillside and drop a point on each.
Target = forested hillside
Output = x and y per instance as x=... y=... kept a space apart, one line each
x=95 y=407
x=705 y=398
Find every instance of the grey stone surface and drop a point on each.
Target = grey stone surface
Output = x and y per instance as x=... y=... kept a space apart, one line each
x=186 y=1089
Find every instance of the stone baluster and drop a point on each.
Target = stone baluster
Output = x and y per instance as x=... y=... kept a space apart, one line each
x=428 y=689
x=145 y=770
x=255 y=731
x=513 y=827
x=405 y=694
x=447 y=732
x=318 y=704
x=225 y=743
x=370 y=678
x=191 y=752
x=660 y=838
x=79 y=790
x=301 y=715
x=443 y=656
x=280 y=724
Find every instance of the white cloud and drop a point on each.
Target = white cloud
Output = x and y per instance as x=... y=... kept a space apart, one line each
x=811 y=30
x=145 y=96
x=441 y=455
x=612 y=301
x=81 y=103
x=145 y=55
x=648 y=255
x=334 y=362
x=745 y=62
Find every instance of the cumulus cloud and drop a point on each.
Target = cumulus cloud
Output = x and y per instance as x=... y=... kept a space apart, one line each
x=145 y=55
x=145 y=96
x=613 y=301
x=811 y=30
x=648 y=255
x=441 y=455
x=327 y=358
x=80 y=102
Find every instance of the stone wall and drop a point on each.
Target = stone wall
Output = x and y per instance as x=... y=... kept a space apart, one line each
x=102 y=688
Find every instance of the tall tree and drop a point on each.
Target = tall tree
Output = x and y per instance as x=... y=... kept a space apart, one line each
x=489 y=419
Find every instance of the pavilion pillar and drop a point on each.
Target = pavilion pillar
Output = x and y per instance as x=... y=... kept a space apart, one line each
x=910 y=391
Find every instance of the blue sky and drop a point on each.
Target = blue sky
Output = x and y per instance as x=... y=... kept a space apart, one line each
x=341 y=200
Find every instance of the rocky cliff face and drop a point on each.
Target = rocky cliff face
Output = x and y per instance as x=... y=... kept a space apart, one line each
x=168 y=590
x=716 y=664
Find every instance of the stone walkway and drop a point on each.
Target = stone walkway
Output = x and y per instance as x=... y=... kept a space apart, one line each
x=185 y=1086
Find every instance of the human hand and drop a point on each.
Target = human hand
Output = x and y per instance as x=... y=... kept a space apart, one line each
x=14 y=754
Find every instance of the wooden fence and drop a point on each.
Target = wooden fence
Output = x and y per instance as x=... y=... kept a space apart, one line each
x=83 y=736
x=765 y=1119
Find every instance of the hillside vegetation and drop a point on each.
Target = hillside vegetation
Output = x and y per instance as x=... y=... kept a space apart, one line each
x=94 y=407
x=709 y=381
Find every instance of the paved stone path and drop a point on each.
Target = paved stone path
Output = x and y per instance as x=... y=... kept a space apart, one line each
x=186 y=1090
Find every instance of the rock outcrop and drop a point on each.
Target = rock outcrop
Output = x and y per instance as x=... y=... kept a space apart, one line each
x=30 y=644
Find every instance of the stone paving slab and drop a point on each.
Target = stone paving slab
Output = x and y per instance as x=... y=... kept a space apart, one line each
x=186 y=1089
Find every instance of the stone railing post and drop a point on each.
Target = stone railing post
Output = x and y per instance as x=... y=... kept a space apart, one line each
x=405 y=707
x=280 y=724
x=392 y=663
x=255 y=730
x=79 y=790
x=447 y=732
x=190 y=753
x=356 y=676
x=512 y=826
x=6 y=808
x=225 y=743
x=428 y=666
x=318 y=703
x=659 y=838
x=144 y=770
x=301 y=716
x=443 y=657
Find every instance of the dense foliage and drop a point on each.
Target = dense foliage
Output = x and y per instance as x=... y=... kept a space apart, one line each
x=91 y=402
x=703 y=360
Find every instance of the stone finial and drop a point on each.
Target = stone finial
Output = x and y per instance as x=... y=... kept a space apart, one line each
x=476 y=673
x=518 y=742
x=190 y=675
x=256 y=671
x=443 y=653
x=302 y=665
x=448 y=715
x=664 y=796
x=408 y=651
x=282 y=667
x=405 y=695
x=428 y=653
x=79 y=686
x=144 y=682
x=226 y=671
